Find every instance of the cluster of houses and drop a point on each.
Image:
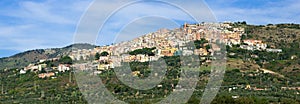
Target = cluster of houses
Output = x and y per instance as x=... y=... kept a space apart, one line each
x=290 y=88
x=251 y=44
x=49 y=72
x=223 y=32
x=167 y=43
x=172 y=43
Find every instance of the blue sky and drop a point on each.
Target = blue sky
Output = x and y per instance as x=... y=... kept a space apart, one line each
x=35 y=24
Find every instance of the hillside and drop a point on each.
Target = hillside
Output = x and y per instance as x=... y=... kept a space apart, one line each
x=23 y=59
x=267 y=77
x=278 y=36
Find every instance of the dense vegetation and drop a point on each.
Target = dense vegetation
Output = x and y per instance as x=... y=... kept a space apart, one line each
x=200 y=43
x=27 y=88
x=145 y=51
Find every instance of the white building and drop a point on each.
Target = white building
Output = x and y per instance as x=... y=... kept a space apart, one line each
x=63 y=68
x=274 y=50
x=187 y=52
x=22 y=71
x=103 y=58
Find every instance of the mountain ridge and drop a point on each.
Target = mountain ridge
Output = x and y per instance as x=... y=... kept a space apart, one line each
x=263 y=32
x=24 y=58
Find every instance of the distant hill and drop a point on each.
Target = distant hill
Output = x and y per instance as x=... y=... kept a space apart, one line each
x=275 y=35
x=281 y=36
x=23 y=59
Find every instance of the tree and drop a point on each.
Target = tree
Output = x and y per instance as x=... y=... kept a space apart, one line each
x=66 y=60
x=244 y=23
x=244 y=37
x=43 y=71
x=104 y=53
x=200 y=43
x=223 y=99
x=145 y=51
x=208 y=47
x=97 y=56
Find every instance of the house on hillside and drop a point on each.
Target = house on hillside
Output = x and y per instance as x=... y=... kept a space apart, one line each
x=136 y=73
x=105 y=66
x=256 y=44
x=274 y=50
x=44 y=75
x=168 y=51
x=42 y=66
x=187 y=52
x=201 y=52
x=31 y=67
x=142 y=58
x=63 y=67
x=22 y=71
x=103 y=59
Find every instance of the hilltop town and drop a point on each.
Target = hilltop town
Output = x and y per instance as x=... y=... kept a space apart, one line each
x=251 y=59
x=162 y=43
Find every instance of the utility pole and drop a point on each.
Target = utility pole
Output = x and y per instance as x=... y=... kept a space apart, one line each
x=2 y=83
x=34 y=83
x=35 y=89
x=2 y=88
x=70 y=76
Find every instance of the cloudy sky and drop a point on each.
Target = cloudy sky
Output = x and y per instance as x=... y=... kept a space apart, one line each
x=35 y=24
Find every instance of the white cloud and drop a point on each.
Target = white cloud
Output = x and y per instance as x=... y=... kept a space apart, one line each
x=48 y=11
x=34 y=24
x=51 y=23
x=285 y=11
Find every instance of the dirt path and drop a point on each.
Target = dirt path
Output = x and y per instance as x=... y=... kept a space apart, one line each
x=271 y=72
